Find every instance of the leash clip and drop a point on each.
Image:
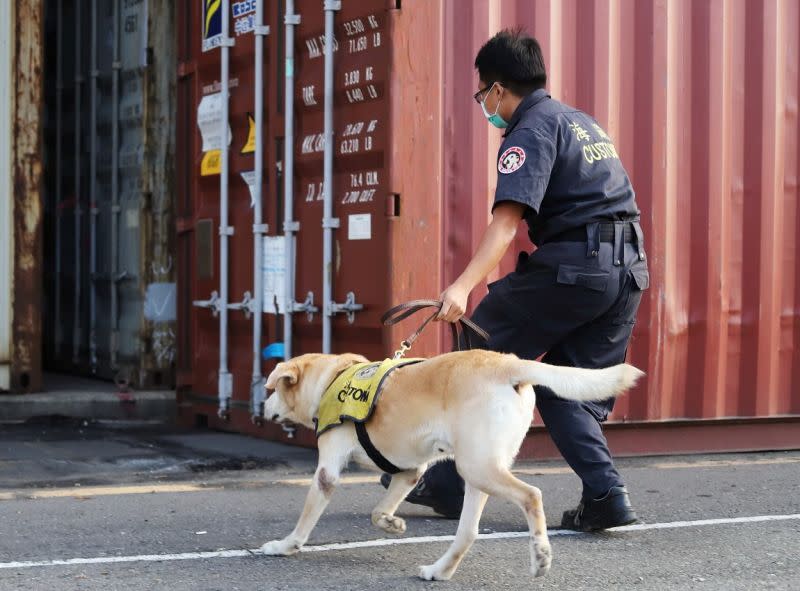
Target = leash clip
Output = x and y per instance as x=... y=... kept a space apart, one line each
x=401 y=352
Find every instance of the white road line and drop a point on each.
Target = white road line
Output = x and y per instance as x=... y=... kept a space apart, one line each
x=386 y=542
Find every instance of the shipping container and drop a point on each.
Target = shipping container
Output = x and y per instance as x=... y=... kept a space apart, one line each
x=109 y=83
x=700 y=98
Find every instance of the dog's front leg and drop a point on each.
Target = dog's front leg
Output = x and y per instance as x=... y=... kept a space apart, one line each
x=325 y=481
x=383 y=514
x=334 y=450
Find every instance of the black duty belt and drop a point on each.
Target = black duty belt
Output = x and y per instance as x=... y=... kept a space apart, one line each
x=606 y=234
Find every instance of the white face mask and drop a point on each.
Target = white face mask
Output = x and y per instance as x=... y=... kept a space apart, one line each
x=493 y=118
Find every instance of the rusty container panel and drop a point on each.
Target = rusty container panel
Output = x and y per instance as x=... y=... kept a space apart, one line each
x=153 y=303
x=701 y=99
x=26 y=175
x=707 y=131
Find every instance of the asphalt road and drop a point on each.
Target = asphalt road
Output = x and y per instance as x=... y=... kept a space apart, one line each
x=165 y=539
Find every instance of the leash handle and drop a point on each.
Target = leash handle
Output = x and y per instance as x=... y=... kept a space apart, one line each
x=403 y=311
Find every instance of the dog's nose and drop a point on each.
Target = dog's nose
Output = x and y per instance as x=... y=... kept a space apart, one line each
x=275 y=417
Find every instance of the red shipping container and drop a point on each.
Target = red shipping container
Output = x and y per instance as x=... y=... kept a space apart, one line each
x=701 y=100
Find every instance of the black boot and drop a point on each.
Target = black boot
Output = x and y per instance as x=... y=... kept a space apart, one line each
x=423 y=494
x=611 y=510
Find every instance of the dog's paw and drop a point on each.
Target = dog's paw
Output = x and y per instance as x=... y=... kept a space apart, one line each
x=279 y=548
x=541 y=556
x=432 y=572
x=389 y=523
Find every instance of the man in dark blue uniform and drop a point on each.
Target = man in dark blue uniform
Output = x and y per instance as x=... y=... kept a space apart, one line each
x=574 y=299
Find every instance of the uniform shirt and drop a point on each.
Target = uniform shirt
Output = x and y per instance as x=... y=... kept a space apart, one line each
x=559 y=162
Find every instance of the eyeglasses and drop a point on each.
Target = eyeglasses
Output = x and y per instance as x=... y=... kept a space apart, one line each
x=478 y=95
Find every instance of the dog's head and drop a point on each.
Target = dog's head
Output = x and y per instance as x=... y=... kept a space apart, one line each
x=299 y=383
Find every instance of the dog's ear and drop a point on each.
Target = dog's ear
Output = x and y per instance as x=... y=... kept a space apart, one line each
x=285 y=369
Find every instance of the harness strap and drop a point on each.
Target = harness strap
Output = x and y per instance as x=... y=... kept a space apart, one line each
x=372 y=451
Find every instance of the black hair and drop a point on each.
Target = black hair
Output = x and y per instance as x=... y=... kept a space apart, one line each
x=514 y=59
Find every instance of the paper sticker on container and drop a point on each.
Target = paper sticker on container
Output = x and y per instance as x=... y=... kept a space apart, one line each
x=244 y=19
x=209 y=121
x=211 y=163
x=274 y=268
x=211 y=24
x=249 y=177
x=159 y=302
x=250 y=145
x=359 y=226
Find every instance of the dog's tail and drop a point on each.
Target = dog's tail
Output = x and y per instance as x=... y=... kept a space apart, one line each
x=575 y=383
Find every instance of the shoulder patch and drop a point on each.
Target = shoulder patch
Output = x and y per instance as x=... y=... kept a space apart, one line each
x=510 y=160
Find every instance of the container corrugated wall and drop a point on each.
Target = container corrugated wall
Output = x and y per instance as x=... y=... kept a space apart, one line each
x=701 y=98
x=109 y=79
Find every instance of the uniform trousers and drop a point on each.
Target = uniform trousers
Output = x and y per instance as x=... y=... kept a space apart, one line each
x=575 y=303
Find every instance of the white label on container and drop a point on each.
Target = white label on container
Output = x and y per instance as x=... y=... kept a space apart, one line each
x=359 y=226
x=159 y=302
x=250 y=178
x=209 y=121
x=274 y=269
x=131 y=218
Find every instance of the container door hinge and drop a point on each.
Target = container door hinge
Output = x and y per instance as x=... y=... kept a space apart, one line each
x=393 y=205
x=350 y=307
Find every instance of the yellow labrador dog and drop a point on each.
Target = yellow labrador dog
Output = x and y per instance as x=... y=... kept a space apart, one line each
x=474 y=406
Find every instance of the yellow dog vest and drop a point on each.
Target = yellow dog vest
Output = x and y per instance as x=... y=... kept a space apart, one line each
x=353 y=394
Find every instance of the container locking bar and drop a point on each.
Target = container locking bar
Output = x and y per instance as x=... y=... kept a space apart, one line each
x=212 y=303
x=350 y=307
x=306 y=306
x=247 y=305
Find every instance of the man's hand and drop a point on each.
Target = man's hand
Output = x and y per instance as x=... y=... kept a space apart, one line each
x=454 y=303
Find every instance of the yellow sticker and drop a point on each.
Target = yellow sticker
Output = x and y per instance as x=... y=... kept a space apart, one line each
x=212 y=163
x=250 y=146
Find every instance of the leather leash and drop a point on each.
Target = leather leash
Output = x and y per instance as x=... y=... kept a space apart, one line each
x=403 y=311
